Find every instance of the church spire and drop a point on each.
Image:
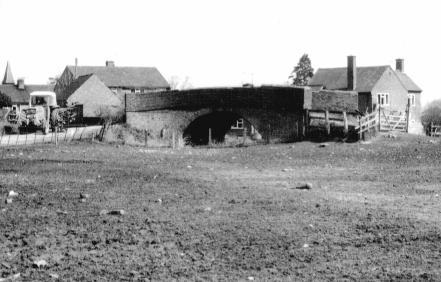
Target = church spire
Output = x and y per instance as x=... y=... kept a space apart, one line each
x=8 y=79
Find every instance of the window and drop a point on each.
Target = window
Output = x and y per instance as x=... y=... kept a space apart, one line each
x=383 y=99
x=238 y=124
x=412 y=100
x=137 y=90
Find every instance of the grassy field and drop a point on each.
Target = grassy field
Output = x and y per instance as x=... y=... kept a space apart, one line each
x=373 y=212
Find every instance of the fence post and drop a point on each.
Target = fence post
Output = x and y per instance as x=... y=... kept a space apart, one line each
x=328 y=125
x=65 y=135
x=56 y=135
x=345 y=121
x=268 y=136
x=82 y=131
x=407 y=115
x=209 y=137
x=173 y=139
x=305 y=129
x=360 y=133
x=145 y=137
x=244 y=135
x=379 y=118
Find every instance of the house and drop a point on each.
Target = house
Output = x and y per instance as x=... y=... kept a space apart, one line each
x=19 y=92
x=377 y=86
x=120 y=80
x=93 y=97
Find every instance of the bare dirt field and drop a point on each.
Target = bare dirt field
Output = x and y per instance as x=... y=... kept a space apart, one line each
x=373 y=212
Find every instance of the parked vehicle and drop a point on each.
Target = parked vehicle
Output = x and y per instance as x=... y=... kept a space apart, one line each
x=42 y=113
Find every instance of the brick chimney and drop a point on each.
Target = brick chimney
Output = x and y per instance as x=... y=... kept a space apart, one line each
x=110 y=63
x=352 y=73
x=399 y=65
x=20 y=84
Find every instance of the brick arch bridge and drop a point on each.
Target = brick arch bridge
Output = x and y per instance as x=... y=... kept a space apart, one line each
x=278 y=113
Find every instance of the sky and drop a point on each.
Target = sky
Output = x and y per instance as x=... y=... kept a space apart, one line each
x=220 y=42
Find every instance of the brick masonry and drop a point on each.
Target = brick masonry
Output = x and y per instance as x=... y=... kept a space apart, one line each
x=283 y=126
x=275 y=112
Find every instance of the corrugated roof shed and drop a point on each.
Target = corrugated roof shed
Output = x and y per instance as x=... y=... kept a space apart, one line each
x=130 y=77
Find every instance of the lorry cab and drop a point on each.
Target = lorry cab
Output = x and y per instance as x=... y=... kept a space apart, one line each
x=43 y=98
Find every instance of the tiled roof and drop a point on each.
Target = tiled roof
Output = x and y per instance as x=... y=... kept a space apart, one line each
x=130 y=77
x=21 y=96
x=407 y=82
x=336 y=78
x=74 y=86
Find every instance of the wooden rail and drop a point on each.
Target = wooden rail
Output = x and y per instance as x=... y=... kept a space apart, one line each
x=434 y=130
x=326 y=118
x=390 y=122
x=367 y=123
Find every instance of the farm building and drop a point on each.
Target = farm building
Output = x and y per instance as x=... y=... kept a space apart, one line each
x=95 y=98
x=19 y=92
x=377 y=87
x=120 y=80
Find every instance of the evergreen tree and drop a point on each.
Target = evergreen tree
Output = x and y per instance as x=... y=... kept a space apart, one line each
x=5 y=100
x=302 y=72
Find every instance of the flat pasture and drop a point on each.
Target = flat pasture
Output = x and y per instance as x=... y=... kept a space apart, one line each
x=210 y=214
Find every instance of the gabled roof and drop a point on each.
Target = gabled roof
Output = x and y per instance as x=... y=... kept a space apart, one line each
x=407 y=82
x=129 y=77
x=8 y=78
x=77 y=84
x=21 y=96
x=73 y=86
x=336 y=78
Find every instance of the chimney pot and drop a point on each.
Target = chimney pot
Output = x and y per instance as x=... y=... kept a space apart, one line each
x=352 y=73
x=399 y=66
x=110 y=63
x=20 y=84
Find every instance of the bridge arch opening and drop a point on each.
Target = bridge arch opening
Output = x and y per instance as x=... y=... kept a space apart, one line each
x=222 y=124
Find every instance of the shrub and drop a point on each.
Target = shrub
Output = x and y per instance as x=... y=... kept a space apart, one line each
x=5 y=100
x=432 y=113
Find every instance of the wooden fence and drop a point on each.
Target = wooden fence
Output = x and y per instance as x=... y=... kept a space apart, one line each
x=393 y=121
x=326 y=119
x=68 y=135
x=434 y=130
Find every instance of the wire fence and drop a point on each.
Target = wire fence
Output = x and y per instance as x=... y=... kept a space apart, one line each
x=68 y=135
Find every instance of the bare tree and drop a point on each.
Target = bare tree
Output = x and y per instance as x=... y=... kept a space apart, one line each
x=176 y=83
x=173 y=81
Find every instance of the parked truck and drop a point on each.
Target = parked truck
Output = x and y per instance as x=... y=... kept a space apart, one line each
x=42 y=113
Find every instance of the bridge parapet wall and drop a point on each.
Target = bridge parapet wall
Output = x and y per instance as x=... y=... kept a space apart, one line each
x=265 y=97
x=275 y=112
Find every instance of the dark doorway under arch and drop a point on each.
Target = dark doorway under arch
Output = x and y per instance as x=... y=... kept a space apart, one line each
x=219 y=122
